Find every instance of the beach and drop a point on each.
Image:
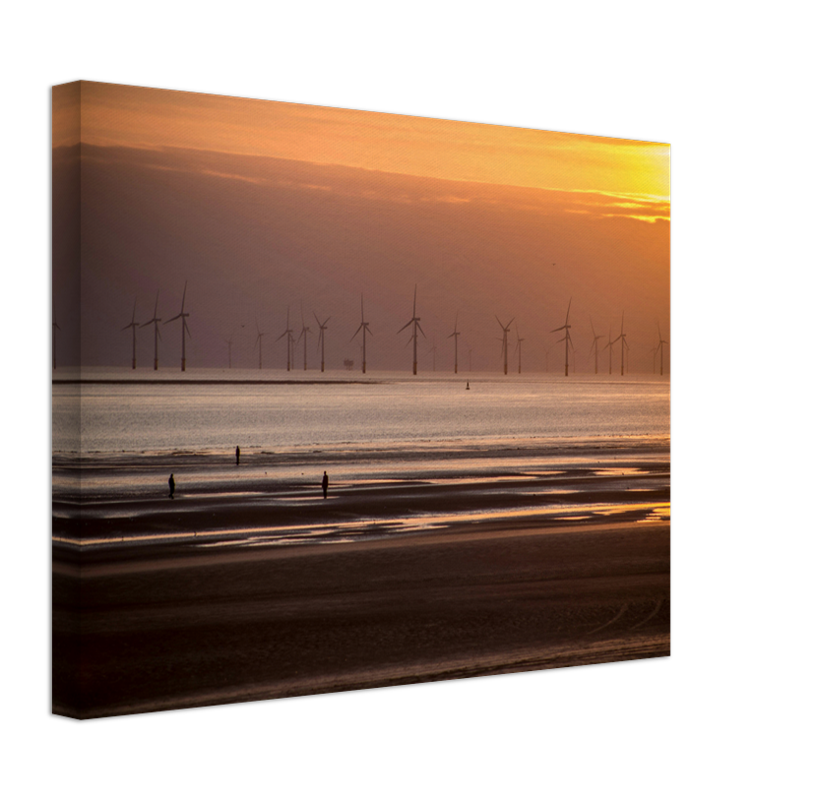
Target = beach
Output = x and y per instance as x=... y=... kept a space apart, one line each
x=248 y=586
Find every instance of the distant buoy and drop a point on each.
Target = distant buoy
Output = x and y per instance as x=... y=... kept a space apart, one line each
x=468 y=384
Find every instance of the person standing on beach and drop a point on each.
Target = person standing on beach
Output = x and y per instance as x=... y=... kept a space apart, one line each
x=237 y=455
x=325 y=485
x=172 y=485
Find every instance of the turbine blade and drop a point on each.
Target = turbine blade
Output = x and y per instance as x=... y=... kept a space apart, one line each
x=183 y=297
x=409 y=322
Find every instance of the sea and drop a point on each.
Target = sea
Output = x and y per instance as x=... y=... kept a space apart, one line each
x=212 y=411
x=117 y=434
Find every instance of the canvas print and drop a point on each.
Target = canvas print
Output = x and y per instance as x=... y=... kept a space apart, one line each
x=347 y=399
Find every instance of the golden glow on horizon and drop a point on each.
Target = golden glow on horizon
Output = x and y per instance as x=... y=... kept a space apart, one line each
x=633 y=175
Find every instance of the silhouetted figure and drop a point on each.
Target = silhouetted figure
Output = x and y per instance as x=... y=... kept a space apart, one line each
x=237 y=456
x=325 y=485
x=468 y=384
x=172 y=485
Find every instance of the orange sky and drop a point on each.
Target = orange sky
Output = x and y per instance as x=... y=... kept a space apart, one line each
x=150 y=118
x=304 y=208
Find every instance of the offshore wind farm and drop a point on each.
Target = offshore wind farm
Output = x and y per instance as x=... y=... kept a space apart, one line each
x=255 y=237
x=478 y=516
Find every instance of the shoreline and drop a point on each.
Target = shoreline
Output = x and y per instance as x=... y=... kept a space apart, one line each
x=417 y=567
x=256 y=511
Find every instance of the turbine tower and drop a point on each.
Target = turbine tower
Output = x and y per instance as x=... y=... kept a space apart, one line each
x=416 y=327
x=184 y=329
x=454 y=336
x=54 y=329
x=504 y=348
x=259 y=344
x=623 y=346
x=304 y=332
x=289 y=334
x=518 y=348
x=610 y=345
x=363 y=326
x=661 y=348
x=133 y=324
x=156 y=333
x=567 y=337
x=321 y=340
x=594 y=346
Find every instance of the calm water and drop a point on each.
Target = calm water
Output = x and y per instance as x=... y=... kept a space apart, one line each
x=397 y=408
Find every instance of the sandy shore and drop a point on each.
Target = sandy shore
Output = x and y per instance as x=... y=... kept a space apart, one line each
x=277 y=497
x=417 y=567
x=171 y=627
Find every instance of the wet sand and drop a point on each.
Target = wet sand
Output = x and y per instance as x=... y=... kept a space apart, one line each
x=172 y=629
x=220 y=596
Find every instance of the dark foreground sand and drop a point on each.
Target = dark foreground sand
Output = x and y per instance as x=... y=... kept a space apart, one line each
x=171 y=627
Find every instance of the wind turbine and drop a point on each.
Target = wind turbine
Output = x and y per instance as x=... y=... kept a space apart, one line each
x=623 y=346
x=321 y=341
x=304 y=332
x=661 y=348
x=416 y=327
x=454 y=336
x=518 y=348
x=567 y=337
x=133 y=324
x=504 y=347
x=259 y=344
x=610 y=345
x=54 y=329
x=156 y=333
x=289 y=334
x=184 y=328
x=594 y=345
x=363 y=326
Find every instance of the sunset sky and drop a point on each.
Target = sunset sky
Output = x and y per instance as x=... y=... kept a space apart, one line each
x=309 y=206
